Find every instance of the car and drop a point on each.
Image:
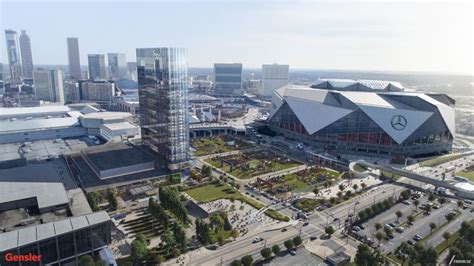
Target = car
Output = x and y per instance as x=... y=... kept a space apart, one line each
x=417 y=237
x=406 y=202
x=411 y=223
x=336 y=219
x=400 y=229
x=311 y=238
x=409 y=242
x=392 y=225
x=257 y=239
x=292 y=252
x=361 y=226
x=356 y=228
x=388 y=226
x=436 y=206
x=305 y=223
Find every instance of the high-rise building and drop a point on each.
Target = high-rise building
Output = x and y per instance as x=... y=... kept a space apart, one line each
x=117 y=66
x=228 y=79
x=48 y=85
x=163 y=93
x=73 y=58
x=73 y=92
x=97 y=69
x=13 y=55
x=1 y=79
x=98 y=90
x=274 y=77
x=26 y=55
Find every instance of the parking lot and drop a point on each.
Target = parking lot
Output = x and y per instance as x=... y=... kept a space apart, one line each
x=406 y=232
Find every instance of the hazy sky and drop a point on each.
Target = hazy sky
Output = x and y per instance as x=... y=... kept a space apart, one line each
x=318 y=35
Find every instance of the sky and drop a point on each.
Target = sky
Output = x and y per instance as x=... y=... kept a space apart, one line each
x=337 y=35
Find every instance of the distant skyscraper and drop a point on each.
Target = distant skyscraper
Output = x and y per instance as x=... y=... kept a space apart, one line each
x=73 y=58
x=117 y=66
x=48 y=85
x=97 y=69
x=228 y=79
x=26 y=55
x=163 y=92
x=99 y=91
x=274 y=77
x=13 y=55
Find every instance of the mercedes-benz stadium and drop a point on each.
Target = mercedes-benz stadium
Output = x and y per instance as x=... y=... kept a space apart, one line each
x=372 y=122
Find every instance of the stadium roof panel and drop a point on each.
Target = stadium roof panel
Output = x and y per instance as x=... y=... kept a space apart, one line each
x=7 y=126
x=307 y=110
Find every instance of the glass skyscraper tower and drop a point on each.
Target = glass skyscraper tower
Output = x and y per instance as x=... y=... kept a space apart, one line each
x=163 y=92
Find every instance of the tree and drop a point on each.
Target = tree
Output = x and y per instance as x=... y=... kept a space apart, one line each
x=416 y=203
x=411 y=218
x=341 y=187
x=168 y=239
x=180 y=237
x=442 y=200
x=378 y=226
x=217 y=221
x=316 y=191
x=289 y=244
x=94 y=198
x=329 y=230
x=297 y=241
x=339 y=194
x=235 y=263
x=431 y=197
x=234 y=233
x=112 y=198
x=202 y=232
x=160 y=259
x=86 y=260
x=379 y=236
x=446 y=235
x=247 y=260
x=365 y=256
x=363 y=185
x=266 y=253
x=388 y=232
x=405 y=194
x=399 y=214
x=460 y=204
x=276 y=250
x=432 y=227
x=362 y=215
x=355 y=187
x=139 y=250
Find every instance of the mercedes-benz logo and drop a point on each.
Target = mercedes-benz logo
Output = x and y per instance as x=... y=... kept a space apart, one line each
x=399 y=122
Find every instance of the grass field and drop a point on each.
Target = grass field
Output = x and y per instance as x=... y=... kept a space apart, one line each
x=359 y=168
x=469 y=175
x=218 y=144
x=305 y=180
x=439 y=160
x=215 y=191
x=251 y=166
x=306 y=205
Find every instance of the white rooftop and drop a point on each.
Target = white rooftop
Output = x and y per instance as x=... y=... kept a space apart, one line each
x=119 y=126
x=22 y=111
x=47 y=194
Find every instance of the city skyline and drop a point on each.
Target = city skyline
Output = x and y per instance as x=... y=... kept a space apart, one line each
x=419 y=38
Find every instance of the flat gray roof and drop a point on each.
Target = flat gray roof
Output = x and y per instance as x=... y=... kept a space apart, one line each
x=40 y=181
x=7 y=126
x=22 y=111
x=28 y=235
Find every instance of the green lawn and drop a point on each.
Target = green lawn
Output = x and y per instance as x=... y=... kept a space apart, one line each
x=215 y=191
x=305 y=180
x=359 y=168
x=439 y=160
x=255 y=166
x=469 y=175
x=218 y=144
x=306 y=205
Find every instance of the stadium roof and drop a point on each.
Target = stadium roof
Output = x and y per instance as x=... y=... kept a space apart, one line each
x=40 y=181
x=32 y=234
x=381 y=107
x=357 y=85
